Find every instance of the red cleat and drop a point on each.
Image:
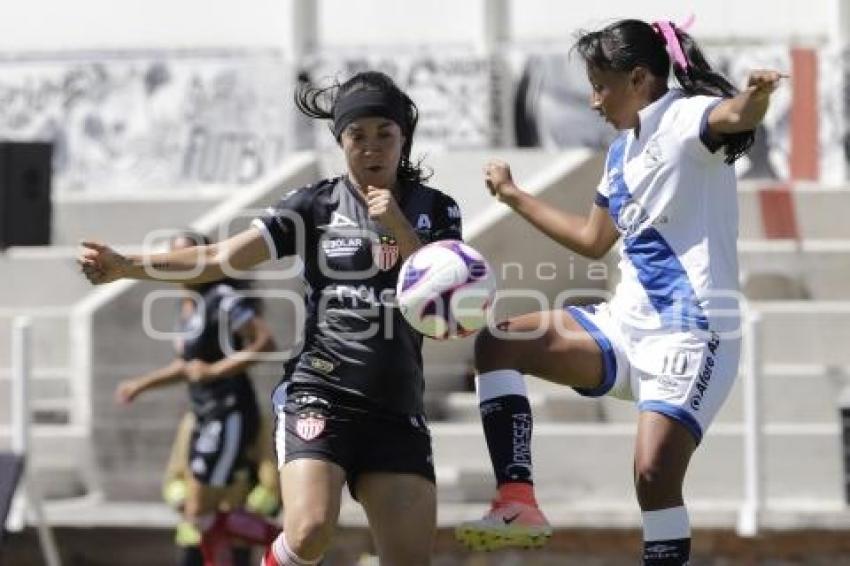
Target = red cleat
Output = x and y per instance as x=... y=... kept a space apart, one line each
x=269 y=559
x=215 y=545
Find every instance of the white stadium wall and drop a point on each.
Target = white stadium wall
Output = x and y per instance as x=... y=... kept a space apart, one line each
x=178 y=95
x=48 y=25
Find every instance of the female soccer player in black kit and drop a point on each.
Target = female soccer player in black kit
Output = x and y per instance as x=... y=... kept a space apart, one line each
x=222 y=397
x=349 y=406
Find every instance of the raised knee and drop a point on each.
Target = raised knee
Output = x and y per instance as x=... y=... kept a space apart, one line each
x=655 y=488
x=309 y=536
x=647 y=475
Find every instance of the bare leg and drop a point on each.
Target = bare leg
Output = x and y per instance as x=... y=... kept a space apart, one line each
x=662 y=453
x=564 y=353
x=311 y=491
x=402 y=512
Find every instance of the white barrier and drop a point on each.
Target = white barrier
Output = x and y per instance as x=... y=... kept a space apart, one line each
x=28 y=498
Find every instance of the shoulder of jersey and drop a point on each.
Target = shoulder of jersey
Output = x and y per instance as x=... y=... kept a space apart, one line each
x=312 y=189
x=437 y=192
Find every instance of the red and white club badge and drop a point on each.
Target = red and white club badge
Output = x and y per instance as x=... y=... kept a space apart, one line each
x=309 y=427
x=385 y=252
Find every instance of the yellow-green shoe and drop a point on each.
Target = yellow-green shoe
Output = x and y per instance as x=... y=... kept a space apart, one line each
x=507 y=524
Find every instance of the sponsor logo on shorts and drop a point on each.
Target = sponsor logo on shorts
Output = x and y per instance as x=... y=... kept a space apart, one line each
x=310 y=426
x=704 y=377
x=321 y=365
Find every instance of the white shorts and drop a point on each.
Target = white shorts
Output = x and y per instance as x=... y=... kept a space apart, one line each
x=685 y=375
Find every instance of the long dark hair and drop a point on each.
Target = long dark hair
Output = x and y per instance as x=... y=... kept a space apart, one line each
x=318 y=103
x=627 y=44
x=199 y=239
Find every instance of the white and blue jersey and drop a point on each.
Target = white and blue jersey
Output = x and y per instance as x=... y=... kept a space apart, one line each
x=675 y=205
x=671 y=334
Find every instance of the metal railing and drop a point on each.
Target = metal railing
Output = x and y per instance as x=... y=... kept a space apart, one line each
x=28 y=498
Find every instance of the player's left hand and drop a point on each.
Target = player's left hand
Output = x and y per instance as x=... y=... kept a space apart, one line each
x=197 y=371
x=383 y=206
x=764 y=81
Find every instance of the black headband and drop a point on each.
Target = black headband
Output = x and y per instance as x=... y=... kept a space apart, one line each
x=367 y=103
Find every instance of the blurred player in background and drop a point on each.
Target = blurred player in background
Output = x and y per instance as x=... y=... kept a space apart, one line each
x=222 y=397
x=670 y=337
x=255 y=488
x=350 y=406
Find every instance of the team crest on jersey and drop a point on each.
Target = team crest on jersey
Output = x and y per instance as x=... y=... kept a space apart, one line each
x=309 y=426
x=385 y=252
x=652 y=153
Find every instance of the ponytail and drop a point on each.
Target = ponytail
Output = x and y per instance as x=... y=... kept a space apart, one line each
x=699 y=78
x=627 y=44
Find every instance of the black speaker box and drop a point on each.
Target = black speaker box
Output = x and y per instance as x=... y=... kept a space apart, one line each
x=25 y=204
x=11 y=468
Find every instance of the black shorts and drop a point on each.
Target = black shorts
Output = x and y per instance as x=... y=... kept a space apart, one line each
x=315 y=423
x=220 y=445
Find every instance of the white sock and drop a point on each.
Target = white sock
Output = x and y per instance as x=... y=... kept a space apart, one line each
x=499 y=383
x=666 y=524
x=287 y=557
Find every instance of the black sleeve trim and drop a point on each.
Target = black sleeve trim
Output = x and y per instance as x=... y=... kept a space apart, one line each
x=601 y=200
x=710 y=144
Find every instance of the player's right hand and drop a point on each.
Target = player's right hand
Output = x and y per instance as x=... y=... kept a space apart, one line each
x=762 y=82
x=500 y=182
x=100 y=263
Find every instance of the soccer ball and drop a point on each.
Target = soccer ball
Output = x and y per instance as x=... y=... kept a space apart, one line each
x=445 y=290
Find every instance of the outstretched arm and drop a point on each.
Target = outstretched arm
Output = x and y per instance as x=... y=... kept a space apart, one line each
x=198 y=264
x=257 y=338
x=745 y=111
x=129 y=389
x=591 y=236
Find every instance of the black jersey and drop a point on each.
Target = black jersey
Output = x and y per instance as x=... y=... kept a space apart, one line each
x=356 y=340
x=205 y=335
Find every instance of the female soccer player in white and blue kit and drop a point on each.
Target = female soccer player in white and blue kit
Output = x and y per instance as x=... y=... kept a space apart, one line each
x=669 y=339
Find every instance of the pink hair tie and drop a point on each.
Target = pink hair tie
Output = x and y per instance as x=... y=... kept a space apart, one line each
x=674 y=48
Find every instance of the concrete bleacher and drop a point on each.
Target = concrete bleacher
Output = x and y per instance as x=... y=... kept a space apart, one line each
x=44 y=283
x=49 y=276
x=819 y=212
x=806 y=269
x=131 y=444
x=583 y=448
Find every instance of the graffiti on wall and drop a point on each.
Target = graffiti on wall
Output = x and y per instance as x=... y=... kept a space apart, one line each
x=171 y=120
x=834 y=107
x=150 y=122
x=769 y=156
x=454 y=91
x=552 y=104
